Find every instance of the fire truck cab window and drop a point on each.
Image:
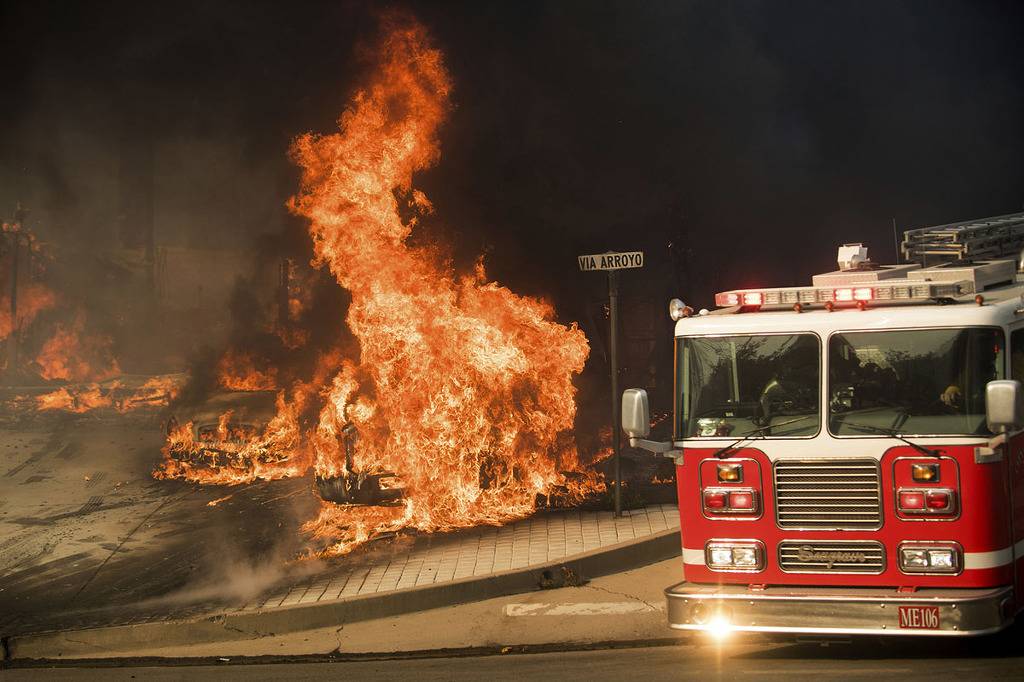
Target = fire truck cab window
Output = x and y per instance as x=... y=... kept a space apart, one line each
x=1017 y=355
x=731 y=386
x=919 y=382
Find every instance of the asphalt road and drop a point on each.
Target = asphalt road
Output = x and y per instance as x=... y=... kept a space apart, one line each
x=995 y=660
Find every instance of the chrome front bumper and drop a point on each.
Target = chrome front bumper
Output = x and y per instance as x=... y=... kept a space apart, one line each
x=839 y=611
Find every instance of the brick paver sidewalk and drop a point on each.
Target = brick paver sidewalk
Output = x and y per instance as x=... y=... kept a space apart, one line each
x=479 y=552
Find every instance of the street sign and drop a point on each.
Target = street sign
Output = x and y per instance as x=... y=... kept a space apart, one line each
x=611 y=261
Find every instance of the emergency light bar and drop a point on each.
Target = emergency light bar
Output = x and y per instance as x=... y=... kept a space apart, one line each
x=917 y=291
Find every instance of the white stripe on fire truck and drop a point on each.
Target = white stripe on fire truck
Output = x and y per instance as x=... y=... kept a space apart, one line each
x=976 y=560
x=693 y=556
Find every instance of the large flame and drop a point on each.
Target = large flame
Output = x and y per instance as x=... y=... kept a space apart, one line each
x=73 y=355
x=70 y=351
x=33 y=299
x=462 y=389
x=238 y=371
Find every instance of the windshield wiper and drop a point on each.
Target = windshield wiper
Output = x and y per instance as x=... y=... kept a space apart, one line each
x=756 y=433
x=892 y=433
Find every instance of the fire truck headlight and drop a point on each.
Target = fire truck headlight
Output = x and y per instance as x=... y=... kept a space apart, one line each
x=720 y=628
x=716 y=620
x=941 y=559
x=734 y=555
x=915 y=558
x=744 y=556
x=930 y=558
x=720 y=556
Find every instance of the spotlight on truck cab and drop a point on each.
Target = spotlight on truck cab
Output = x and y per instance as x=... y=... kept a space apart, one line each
x=677 y=310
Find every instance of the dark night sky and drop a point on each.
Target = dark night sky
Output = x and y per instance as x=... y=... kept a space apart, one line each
x=756 y=135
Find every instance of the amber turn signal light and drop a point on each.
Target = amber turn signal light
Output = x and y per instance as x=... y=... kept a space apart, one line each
x=730 y=473
x=925 y=473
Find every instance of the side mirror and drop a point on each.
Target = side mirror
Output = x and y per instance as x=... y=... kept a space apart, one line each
x=1004 y=405
x=636 y=413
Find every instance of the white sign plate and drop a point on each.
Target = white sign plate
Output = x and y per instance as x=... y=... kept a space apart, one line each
x=611 y=261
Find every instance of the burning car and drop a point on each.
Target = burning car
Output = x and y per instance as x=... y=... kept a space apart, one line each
x=473 y=398
x=224 y=434
x=215 y=434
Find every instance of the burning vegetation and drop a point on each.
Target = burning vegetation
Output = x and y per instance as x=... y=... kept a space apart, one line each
x=458 y=406
x=53 y=359
x=72 y=355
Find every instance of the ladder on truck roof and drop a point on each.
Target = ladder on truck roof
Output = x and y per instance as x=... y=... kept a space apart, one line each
x=982 y=239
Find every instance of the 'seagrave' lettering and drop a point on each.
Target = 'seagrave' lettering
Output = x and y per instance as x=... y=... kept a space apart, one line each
x=808 y=555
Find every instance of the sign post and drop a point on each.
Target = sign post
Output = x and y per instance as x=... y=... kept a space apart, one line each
x=612 y=263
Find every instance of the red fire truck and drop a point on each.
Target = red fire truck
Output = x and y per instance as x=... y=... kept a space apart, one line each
x=850 y=454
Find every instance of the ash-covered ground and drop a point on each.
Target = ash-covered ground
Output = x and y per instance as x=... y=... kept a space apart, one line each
x=86 y=534
x=88 y=537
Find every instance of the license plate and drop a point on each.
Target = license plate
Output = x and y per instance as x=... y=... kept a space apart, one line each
x=919 y=617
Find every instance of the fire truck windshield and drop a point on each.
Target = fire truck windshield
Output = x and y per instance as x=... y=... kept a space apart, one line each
x=740 y=385
x=914 y=382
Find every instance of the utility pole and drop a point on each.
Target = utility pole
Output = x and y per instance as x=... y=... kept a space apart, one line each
x=12 y=337
x=613 y=314
x=15 y=236
x=895 y=241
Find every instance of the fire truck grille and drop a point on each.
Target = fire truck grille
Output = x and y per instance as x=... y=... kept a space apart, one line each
x=831 y=557
x=828 y=495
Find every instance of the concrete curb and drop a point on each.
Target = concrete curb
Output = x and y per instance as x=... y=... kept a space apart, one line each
x=419 y=654
x=255 y=624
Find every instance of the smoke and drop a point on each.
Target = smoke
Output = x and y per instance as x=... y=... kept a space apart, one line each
x=242 y=553
x=231 y=578
x=736 y=143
